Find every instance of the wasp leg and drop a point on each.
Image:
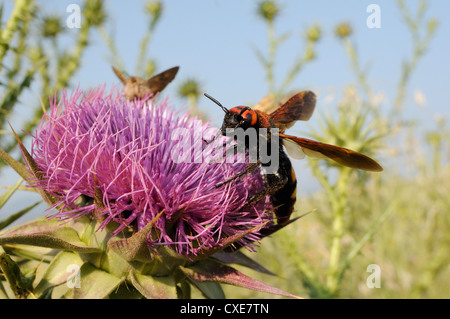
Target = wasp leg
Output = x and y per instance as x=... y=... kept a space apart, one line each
x=214 y=138
x=272 y=187
x=249 y=169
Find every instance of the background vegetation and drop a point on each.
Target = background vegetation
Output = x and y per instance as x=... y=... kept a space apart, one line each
x=398 y=219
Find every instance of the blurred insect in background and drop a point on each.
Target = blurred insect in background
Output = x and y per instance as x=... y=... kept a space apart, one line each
x=137 y=87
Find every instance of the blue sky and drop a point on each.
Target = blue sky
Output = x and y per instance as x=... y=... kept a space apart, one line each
x=212 y=42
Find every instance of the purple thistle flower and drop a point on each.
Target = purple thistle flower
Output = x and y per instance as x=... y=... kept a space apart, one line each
x=117 y=155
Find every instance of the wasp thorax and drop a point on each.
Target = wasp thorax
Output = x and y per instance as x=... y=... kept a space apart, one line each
x=241 y=116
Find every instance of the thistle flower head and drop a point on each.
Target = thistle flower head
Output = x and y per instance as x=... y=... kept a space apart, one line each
x=154 y=8
x=314 y=33
x=94 y=12
x=268 y=10
x=101 y=154
x=343 y=30
x=51 y=26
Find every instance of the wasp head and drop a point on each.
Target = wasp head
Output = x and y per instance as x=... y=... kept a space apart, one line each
x=239 y=116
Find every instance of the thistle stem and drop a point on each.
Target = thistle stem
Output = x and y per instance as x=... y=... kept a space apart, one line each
x=338 y=204
x=20 y=9
x=271 y=57
x=360 y=74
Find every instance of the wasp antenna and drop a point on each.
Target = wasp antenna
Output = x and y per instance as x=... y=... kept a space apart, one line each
x=217 y=102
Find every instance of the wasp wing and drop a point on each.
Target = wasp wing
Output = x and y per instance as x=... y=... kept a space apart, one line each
x=158 y=82
x=298 y=107
x=267 y=104
x=293 y=149
x=340 y=155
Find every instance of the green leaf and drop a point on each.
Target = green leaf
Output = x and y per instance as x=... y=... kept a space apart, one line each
x=13 y=93
x=1 y=17
x=212 y=271
x=202 y=254
x=12 y=218
x=154 y=287
x=7 y=195
x=36 y=171
x=94 y=284
x=116 y=265
x=239 y=258
x=184 y=288
x=274 y=228
x=58 y=272
x=3 y=293
x=20 y=285
x=16 y=165
x=135 y=247
x=260 y=56
x=40 y=224
x=370 y=232
x=282 y=38
x=46 y=233
x=39 y=254
x=125 y=291
x=211 y=290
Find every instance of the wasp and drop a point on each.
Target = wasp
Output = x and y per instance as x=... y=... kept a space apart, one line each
x=137 y=87
x=282 y=185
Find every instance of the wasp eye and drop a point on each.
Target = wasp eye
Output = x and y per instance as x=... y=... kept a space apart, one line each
x=238 y=118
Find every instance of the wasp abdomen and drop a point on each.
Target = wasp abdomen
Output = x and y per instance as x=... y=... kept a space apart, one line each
x=283 y=200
